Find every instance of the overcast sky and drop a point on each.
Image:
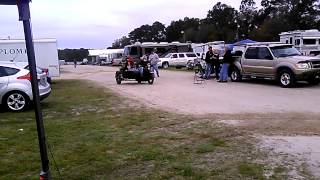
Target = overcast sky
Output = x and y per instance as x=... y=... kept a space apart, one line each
x=97 y=23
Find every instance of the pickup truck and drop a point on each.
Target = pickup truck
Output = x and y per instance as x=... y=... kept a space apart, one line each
x=280 y=62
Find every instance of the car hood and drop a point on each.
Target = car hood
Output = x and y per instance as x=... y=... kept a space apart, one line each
x=297 y=59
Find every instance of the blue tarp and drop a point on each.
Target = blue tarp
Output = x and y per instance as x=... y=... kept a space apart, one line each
x=244 y=42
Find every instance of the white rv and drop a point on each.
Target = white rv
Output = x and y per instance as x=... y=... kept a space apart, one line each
x=307 y=42
x=46 y=53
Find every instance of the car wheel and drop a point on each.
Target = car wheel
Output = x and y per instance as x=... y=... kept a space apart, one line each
x=286 y=78
x=235 y=75
x=314 y=81
x=16 y=101
x=165 y=65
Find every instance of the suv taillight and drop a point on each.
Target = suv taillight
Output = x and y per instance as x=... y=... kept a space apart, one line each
x=25 y=77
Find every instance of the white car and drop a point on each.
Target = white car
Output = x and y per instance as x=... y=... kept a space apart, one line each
x=15 y=86
x=177 y=59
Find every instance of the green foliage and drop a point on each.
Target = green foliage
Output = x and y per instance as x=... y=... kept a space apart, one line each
x=73 y=54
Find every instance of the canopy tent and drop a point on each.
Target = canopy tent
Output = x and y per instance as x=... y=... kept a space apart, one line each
x=244 y=42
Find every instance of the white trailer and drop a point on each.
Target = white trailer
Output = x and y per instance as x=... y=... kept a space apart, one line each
x=46 y=53
x=307 y=41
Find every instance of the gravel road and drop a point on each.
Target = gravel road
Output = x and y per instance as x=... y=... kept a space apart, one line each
x=175 y=91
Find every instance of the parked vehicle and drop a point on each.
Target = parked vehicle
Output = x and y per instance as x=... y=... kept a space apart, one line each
x=40 y=70
x=276 y=61
x=15 y=86
x=125 y=74
x=46 y=53
x=306 y=41
x=178 y=60
x=138 y=50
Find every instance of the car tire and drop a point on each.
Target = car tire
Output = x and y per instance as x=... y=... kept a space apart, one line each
x=16 y=101
x=286 y=78
x=165 y=65
x=235 y=75
x=49 y=80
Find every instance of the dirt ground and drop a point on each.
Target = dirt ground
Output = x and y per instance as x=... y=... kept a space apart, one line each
x=281 y=118
x=175 y=91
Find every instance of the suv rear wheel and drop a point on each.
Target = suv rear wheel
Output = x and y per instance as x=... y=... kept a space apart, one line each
x=286 y=78
x=165 y=65
x=16 y=101
x=235 y=75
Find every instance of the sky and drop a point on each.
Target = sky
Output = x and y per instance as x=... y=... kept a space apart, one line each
x=97 y=23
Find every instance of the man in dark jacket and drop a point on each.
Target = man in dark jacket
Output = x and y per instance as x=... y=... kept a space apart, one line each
x=216 y=63
x=227 y=60
x=209 y=63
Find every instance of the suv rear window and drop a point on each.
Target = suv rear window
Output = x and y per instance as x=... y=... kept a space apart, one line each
x=181 y=55
x=191 y=55
x=251 y=53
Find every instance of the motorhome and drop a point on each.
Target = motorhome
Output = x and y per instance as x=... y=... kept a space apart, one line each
x=137 y=50
x=306 y=41
x=46 y=53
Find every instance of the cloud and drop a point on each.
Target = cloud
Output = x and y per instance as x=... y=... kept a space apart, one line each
x=97 y=23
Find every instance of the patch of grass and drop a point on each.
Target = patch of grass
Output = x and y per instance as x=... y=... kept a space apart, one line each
x=94 y=135
x=249 y=170
x=210 y=146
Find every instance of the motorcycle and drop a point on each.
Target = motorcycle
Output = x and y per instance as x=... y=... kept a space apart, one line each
x=138 y=74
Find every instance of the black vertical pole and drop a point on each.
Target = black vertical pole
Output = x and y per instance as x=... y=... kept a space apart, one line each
x=24 y=15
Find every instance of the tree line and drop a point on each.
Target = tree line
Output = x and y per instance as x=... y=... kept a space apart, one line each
x=73 y=54
x=225 y=23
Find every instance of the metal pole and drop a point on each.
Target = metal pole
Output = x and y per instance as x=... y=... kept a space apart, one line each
x=24 y=15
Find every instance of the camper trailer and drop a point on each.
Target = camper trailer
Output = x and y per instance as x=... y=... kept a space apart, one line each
x=46 y=53
x=307 y=42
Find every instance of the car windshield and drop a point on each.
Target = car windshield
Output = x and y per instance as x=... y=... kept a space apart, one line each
x=285 y=51
x=167 y=56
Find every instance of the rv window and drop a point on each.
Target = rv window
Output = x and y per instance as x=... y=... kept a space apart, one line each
x=126 y=51
x=297 y=42
x=148 y=51
x=309 y=41
x=134 y=51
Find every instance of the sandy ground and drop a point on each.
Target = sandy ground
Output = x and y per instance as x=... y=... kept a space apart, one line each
x=286 y=120
x=175 y=91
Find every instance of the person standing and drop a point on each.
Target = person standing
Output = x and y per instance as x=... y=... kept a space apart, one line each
x=154 y=60
x=216 y=63
x=227 y=59
x=75 y=63
x=209 y=63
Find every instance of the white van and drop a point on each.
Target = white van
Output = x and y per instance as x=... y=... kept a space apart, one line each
x=46 y=53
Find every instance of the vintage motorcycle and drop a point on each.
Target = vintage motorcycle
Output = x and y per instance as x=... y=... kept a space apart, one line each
x=138 y=73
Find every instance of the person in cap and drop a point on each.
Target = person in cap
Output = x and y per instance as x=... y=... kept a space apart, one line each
x=154 y=60
x=209 y=63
